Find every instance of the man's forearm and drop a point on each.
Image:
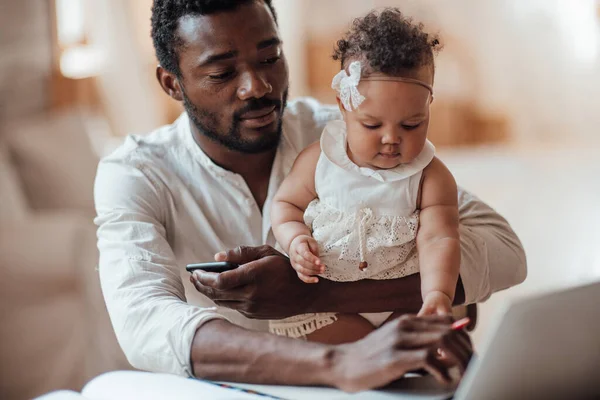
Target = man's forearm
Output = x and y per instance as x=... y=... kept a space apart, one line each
x=267 y=287
x=223 y=351
x=402 y=295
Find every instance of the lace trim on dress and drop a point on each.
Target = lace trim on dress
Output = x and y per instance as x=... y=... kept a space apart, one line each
x=301 y=325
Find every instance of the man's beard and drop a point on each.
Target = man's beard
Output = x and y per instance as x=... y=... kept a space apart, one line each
x=206 y=122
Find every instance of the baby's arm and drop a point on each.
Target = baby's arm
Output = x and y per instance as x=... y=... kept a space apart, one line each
x=287 y=215
x=438 y=239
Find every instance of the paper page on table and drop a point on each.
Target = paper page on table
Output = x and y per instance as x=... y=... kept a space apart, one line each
x=127 y=385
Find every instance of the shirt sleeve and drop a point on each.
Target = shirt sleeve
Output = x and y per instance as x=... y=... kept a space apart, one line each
x=492 y=257
x=140 y=280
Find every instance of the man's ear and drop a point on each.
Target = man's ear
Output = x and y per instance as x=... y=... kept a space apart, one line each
x=169 y=83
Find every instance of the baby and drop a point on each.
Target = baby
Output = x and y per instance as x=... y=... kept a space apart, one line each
x=371 y=200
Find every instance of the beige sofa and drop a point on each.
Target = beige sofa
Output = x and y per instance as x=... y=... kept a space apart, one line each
x=55 y=332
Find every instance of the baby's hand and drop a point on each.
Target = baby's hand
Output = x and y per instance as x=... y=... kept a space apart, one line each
x=436 y=303
x=304 y=252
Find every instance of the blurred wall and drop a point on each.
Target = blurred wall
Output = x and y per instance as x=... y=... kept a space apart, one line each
x=26 y=61
x=127 y=83
x=512 y=71
x=292 y=16
x=534 y=62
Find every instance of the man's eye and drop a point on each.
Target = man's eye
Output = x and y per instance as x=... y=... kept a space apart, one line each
x=221 y=77
x=411 y=127
x=371 y=127
x=272 y=60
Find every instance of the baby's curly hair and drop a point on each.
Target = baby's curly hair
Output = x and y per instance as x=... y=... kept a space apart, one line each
x=387 y=42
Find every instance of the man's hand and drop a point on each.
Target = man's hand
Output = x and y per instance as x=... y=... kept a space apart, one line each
x=304 y=252
x=265 y=286
x=406 y=344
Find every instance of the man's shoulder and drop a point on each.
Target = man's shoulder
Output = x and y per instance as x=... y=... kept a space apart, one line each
x=140 y=163
x=309 y=108
x=305 y=118
x=146 y=149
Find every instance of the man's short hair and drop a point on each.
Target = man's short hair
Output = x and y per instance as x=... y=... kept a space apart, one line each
x=165 y=17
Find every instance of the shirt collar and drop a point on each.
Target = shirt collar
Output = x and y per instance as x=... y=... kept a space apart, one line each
x=184 y=129
x=286 y=152
x=334 y=143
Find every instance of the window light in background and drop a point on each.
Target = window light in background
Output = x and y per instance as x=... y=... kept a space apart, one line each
x=78 y=58
x=578 y=22
x=70 y=18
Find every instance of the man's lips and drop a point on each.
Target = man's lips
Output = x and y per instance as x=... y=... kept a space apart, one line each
x=260 y=118
x=258 y=113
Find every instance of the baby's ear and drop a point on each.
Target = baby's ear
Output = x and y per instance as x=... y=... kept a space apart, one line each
x=341 y=106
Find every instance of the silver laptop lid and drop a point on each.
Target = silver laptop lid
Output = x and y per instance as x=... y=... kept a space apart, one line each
x=544 y=347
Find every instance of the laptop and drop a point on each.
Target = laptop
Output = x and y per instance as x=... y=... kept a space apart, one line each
x=546 y=347
x=543 y=347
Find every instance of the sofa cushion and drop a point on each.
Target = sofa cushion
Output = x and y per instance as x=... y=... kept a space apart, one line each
x=55 y=328
x=55 y=161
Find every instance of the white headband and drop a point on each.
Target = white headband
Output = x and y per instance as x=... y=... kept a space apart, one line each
x=347 y=85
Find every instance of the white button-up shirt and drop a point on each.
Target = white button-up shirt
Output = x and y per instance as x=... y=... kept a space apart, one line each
x=162 y=203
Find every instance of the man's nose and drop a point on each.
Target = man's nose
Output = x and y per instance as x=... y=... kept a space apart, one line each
x=253 y=85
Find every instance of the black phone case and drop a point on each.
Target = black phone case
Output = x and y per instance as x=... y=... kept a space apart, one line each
x=212 y=266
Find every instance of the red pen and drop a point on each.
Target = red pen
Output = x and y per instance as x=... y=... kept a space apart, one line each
x=456 y=326
x=460 y=324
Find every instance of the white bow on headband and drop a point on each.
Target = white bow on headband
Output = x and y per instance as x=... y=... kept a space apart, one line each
x=346 y=85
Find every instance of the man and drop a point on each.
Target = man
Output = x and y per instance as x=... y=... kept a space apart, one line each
x=205 y=184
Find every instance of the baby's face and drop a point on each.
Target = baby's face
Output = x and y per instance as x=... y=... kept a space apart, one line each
x=390 y=127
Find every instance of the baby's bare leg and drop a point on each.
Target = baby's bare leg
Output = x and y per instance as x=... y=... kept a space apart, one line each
x=347 y=329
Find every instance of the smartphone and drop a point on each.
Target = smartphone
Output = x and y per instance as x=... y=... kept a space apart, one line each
x=212 y=266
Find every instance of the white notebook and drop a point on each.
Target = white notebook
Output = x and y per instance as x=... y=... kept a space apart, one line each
x=132 y=385
x=150 y=386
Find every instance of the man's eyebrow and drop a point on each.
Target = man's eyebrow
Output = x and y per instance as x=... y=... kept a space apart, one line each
x=274 y=41
x=213 y=58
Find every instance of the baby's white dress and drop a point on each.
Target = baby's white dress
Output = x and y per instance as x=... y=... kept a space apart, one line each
x=360 y=214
